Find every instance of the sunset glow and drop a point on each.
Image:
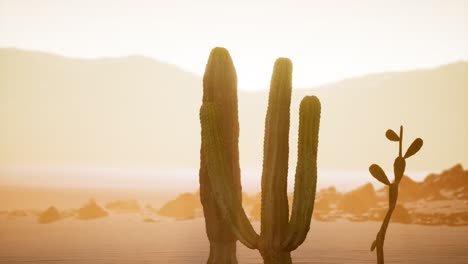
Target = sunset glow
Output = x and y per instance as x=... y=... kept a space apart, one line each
x=327 y=40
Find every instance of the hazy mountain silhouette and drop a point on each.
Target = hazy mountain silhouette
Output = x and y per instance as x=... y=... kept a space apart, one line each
x=137 y=111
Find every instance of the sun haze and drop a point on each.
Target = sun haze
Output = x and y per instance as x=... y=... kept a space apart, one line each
x=98 y=120
x=327 y=40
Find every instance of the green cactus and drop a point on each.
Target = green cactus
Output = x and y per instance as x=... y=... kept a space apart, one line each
x=399 y=166
x=220 y=88
x=279 y=235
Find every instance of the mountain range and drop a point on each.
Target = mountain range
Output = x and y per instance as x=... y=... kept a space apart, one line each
x=136 y=111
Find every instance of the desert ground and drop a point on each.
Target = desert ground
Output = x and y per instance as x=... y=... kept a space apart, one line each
x=53 y=225
x=126 y=238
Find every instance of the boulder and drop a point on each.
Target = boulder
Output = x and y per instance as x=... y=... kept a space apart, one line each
x=359 y=201
x=91 y=210
x=401 y=215
x=49 y=216
x=183 y=206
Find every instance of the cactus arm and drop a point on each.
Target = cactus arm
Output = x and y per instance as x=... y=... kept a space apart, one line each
x=306 y=173
x=274 y=212
x=226 y=198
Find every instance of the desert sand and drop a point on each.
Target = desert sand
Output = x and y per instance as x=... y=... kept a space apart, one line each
x=125 y=238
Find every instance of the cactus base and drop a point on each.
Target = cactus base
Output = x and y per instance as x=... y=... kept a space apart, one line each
x=222 y=252
x=276 y=257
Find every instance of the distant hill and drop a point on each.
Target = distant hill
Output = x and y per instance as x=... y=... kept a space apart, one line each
x=431 y=104
x=130 y=110
x=136 y=111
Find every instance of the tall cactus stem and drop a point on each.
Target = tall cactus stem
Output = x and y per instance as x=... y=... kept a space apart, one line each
x=275 y=210
x=220 y=88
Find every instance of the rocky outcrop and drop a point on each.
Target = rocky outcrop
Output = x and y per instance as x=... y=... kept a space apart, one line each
x=400 y=215
x=450 y=184
x=184 y=206
x=249 y=201
x=150 y=220
x=128 y=206
x=359 y=201
x=327 y=199
x=17 y=213
x=90 y=211
x=441 y=199
x=49 y=216
x=188 y=206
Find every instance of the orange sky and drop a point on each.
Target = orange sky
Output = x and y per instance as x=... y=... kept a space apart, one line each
x=331 y=39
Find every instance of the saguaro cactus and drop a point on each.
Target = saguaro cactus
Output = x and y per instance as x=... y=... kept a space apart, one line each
x=220 y=88
x=279 y=235
x=399 y=169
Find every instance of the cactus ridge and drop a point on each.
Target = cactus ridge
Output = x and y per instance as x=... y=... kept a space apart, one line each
x=220 y=89
x=279 y=234
x=229 y=204
x=305 y=182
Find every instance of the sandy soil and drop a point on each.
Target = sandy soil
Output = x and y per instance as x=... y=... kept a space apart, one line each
x=127 y=239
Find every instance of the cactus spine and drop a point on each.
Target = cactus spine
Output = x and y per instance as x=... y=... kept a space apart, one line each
x=279 y=235
x=377 y=172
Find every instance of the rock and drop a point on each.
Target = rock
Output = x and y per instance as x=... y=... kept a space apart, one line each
x=359 y=201
x=50 y=215
x=256 y=211
x=150 y=220
x=441 y=199
x=409 y=190
x=130 y=206
x=91 y=211
x=151 y=209
x=449 y=184
x=401 y=215
x=248 y=201
x=34 y=212
x=327 y=199
x=183 y=207
x=17 y=213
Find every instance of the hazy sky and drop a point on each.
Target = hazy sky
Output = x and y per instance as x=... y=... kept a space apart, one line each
x=327 y=40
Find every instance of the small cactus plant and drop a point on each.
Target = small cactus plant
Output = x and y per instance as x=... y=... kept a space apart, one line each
x=220 y=167
x=399 y=166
